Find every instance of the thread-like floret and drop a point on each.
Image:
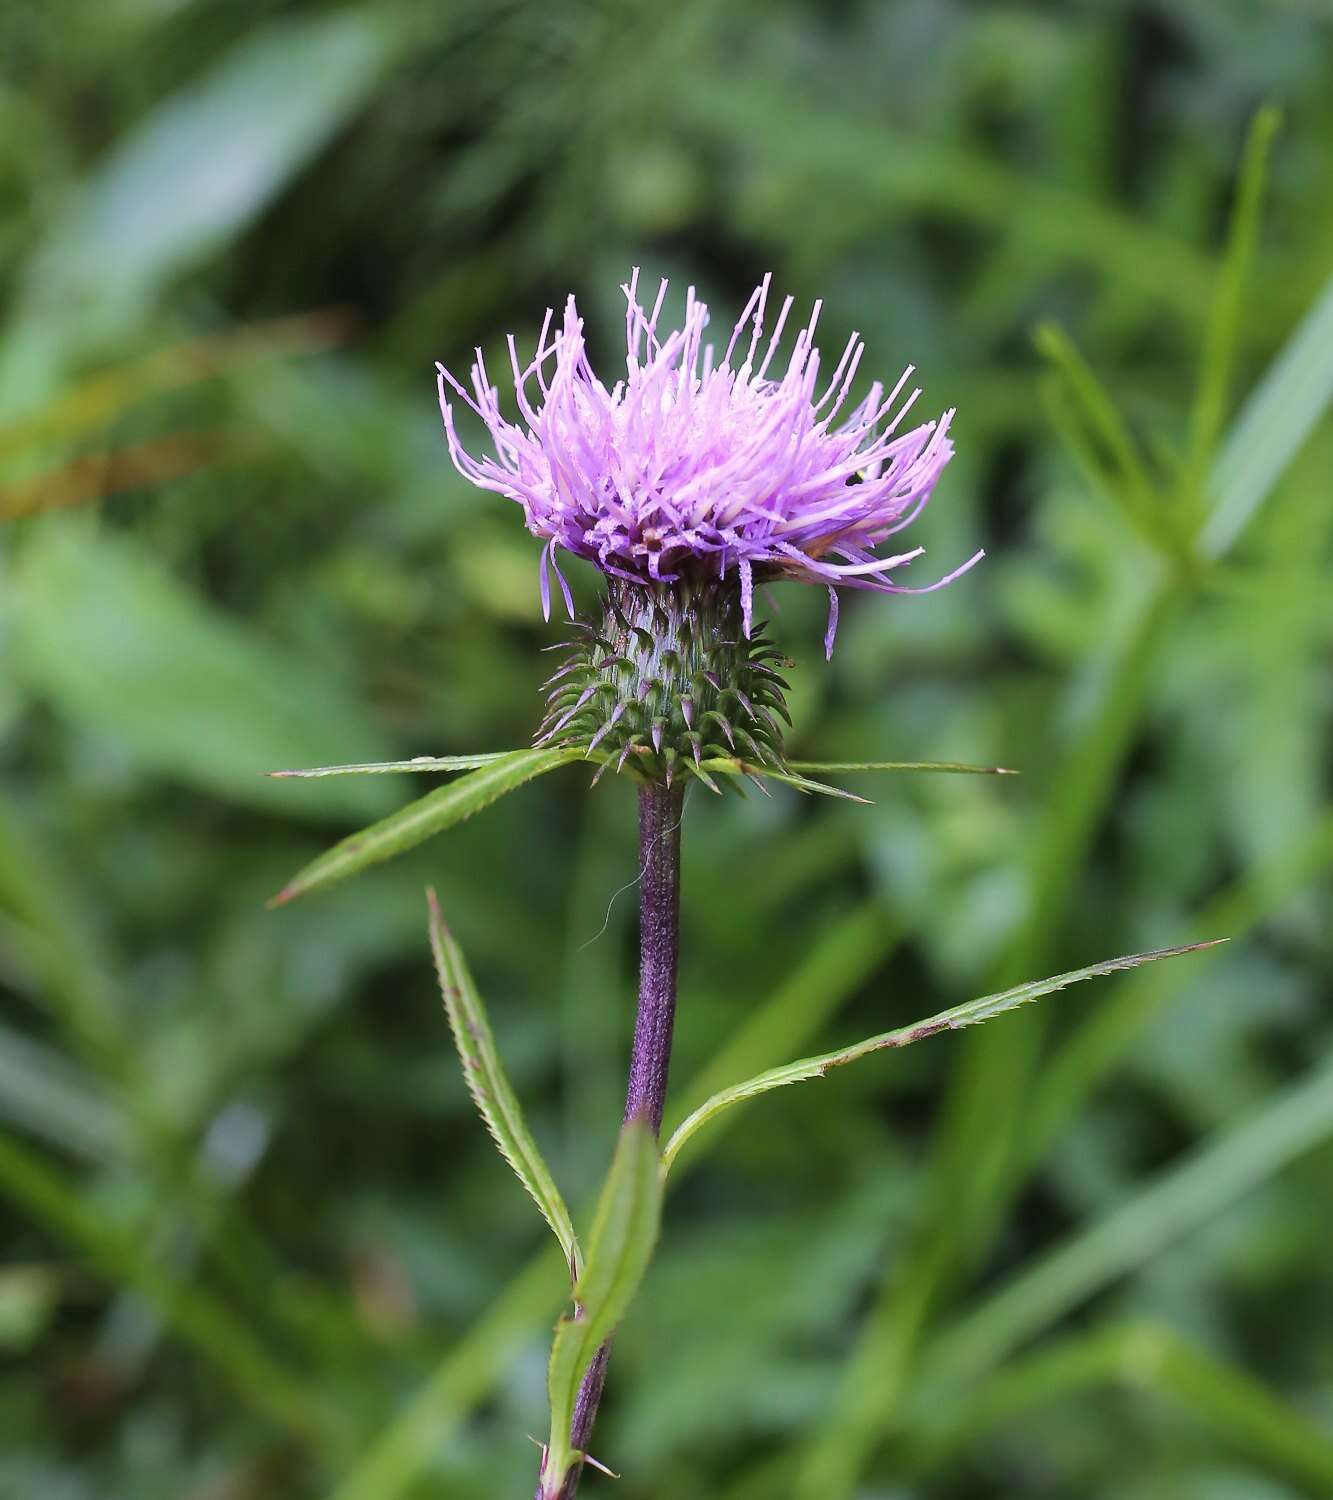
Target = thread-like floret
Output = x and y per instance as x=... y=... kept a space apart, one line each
x=690 y=467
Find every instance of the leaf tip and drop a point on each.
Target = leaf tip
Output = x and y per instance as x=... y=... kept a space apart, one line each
x=286 y=894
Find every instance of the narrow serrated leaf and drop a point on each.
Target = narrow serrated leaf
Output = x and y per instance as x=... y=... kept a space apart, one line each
x=734 y=766
x=624 y=1232
x=972 y=1013
x=489 y=1085
x=417 y=763
x=825 y=767
x=417 y=821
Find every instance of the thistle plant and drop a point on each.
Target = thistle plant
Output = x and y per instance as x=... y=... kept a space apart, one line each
x=699 y=476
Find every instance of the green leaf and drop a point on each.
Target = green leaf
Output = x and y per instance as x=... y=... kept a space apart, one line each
x=490 y=1087
x=624 y=1232
x=1243 y=1413
x=390 y=767
x=65 y=1208
x=1097 y=436
x=1274 y=422
x=950 y=766
x=419 y=820
x=1220 y=336
x=1177 y=1202
x=130 y=655
x=972 y=1013
x=402 y=1449
x=734 y=766
x=205 y=162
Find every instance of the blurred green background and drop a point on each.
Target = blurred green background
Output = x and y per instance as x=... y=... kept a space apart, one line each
x=255 y=1242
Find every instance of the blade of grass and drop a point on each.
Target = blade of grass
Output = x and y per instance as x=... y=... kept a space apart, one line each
x=47 y=1094
x=489 y=1085
x=1088 y=419
x=1218 y=360
x=1240 y=1411
x=1271 y=427
x=199 y=1318
x=1176 y=1203
x=1107 y=1035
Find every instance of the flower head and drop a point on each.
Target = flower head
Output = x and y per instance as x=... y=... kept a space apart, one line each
x=693 y=467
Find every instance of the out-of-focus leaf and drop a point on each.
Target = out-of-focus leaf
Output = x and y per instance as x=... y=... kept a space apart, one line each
x=489 y=1085
x=1179 y=1200
x=1220 y=336
x=971 y=1013
x=1111 y=1032
x=93 y=476
x=1243 y=1412
x=624 y=1232
x=51 y=1096
x=202 y=165
x=125 y=651
x=1277 y=417
x=28 y=1297
x=806 y=152
x=1087 y=418
x=419 y=820
x=102 y=396
x=194 y=1313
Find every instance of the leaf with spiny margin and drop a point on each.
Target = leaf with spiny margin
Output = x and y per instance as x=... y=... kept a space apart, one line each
x=489 y=1085
x=972 y=1013
x=419 y=820
x=624 y=1232
x=392 y=767
x=734 y=766
x=952 y=767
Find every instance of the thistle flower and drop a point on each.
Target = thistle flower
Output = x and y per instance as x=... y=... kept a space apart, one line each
x=687 y=482
x=688 y=466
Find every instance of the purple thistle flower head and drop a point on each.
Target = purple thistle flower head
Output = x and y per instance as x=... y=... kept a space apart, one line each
x=691 y=467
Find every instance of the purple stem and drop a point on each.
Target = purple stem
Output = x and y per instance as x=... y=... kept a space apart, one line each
x=650 y=1055
x=659 y=951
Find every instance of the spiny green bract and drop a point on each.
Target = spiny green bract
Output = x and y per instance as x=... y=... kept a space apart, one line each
x=668 y=681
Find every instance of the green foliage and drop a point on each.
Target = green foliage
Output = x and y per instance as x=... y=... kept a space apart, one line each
x=256 y=1243
x=620 y=1245
x=490 y=1088
x=970 y=1013
x=423 y=818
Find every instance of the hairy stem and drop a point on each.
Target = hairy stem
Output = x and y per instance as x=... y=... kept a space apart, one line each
x=659 y=950
x=650 y=1056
